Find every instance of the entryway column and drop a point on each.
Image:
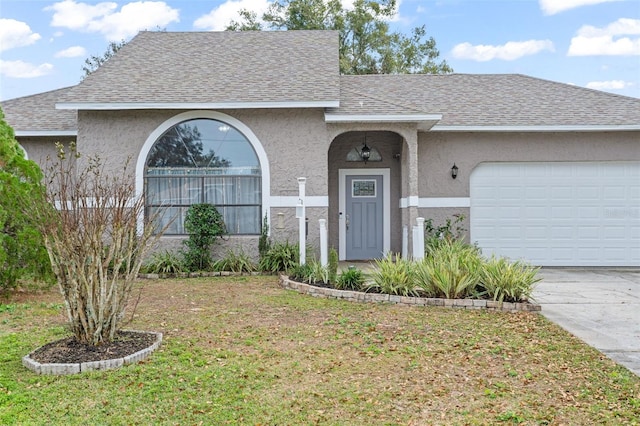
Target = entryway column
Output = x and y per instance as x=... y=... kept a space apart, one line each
x=411 y=174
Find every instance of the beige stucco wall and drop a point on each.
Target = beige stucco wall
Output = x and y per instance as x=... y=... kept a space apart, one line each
x=298 y=143
x=295 y=142
x=40 y=148
x=439 y=150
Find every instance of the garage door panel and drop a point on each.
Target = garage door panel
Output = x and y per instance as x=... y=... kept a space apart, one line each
x=558 y=214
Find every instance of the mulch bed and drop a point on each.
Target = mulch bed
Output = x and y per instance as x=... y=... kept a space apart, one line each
x=69 y=350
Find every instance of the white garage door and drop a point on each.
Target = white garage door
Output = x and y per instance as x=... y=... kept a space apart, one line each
x=558 y=214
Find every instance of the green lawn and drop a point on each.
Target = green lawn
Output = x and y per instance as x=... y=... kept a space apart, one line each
x=243 y=351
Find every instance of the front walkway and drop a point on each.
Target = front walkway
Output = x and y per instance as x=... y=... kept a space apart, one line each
x=599 y=306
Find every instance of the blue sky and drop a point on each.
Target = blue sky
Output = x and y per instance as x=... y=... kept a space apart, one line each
x=589 y=43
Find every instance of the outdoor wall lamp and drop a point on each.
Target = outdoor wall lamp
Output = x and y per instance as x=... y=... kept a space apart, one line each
x=365 y=153
x=454 y=171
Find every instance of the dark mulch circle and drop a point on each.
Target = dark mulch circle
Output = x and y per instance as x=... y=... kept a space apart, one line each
x=71 y=351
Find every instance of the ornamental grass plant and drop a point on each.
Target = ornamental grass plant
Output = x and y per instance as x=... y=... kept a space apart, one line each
x=507 y=281
x=395 y=277
x=451 y=271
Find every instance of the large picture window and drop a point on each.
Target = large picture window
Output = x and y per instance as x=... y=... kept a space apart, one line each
x=204 y=161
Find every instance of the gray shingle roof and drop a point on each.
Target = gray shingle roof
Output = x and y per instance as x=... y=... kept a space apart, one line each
x=217 y=67
x=488 y=100
x=37 y=113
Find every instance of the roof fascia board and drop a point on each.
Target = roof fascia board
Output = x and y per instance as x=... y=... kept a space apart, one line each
x=396 y=118
x=186 y=105
x=24 y=133
x=558 y=128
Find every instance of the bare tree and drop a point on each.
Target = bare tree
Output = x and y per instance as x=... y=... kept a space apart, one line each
x=90 y=223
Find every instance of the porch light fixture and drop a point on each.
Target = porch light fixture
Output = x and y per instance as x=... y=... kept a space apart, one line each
x=365 y=153
x=454 y=171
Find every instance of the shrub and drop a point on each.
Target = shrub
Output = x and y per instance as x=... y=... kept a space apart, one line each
x=204 y=224
x=301 y=273
x=280 y=257
x=350 y=279
x=22 y=249
x=94 y=243
x=452 y=270
x=452 y=229
x=394 y=277
x=333 y=265
x=165 y=262
x=507 y=281
x=263 y=242
x=235 y=261
x=319 y=273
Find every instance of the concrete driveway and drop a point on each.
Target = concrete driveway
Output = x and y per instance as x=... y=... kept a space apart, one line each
x=600 y=306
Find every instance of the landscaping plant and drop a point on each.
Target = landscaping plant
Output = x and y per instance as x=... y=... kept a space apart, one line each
x=205 y=225
x=22 y=250
x=452 y=229
x=235 y=261
x=507 y=281
x=333 y=265
x=452 y=270
x=350 y=279
x=263 y=242
x=94 y=241
x=394 y=277
x=165 y=262
x=280 y=257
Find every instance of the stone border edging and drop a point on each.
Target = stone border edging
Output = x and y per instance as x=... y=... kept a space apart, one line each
x=358 y=296
x=106 y=364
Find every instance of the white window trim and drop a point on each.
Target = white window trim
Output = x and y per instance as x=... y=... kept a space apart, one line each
x=214 y=115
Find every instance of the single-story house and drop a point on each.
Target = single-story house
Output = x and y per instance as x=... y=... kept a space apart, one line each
x=544 y=171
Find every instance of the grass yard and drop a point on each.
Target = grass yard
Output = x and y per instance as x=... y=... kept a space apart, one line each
x=242 y=351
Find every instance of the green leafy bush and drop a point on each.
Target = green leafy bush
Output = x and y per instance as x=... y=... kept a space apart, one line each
x=22 y=249
x=452 y=229
x=204 y=224
x=301 y=273
x=452 y=270
x=165 y=262
x=281 y=256
x=350 y=279
x=507 y=281
x=263 y=242
x=235 y=261
x=333 y=265
x=311 y=272
x=394 y=277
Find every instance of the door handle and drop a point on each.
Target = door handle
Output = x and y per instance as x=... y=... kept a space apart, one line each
x=347 y=222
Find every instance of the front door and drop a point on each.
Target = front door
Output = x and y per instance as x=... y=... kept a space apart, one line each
x=364 y=217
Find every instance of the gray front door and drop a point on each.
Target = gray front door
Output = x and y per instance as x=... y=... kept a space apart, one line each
x=364 y=221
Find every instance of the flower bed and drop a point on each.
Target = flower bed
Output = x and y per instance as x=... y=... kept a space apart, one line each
x=358 y=296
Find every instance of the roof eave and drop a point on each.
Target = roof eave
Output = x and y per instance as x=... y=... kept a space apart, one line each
x=42 y=133
x=540 y=128
x=105 y=106
x=425 y=121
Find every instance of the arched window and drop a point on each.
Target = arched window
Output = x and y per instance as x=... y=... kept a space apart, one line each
x=204 y=161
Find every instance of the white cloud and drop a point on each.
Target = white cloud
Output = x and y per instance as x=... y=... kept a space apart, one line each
x=551 y=7
x=508 y=52
x=609 y=40
x=21 y=69
x=115 y=25
x=71 y=52
x=15 y=34
x=221 y=16
x=609 y=85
